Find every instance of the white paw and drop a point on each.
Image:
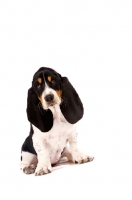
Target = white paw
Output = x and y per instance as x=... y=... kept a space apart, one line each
x=29 y=169
x=41 y=170
x=79 y=158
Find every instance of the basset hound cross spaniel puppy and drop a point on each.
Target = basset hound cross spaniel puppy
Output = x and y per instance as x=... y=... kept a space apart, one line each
x=53 y=109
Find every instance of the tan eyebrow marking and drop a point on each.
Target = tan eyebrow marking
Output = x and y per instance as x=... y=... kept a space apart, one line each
x=49 y=78
x=39 y=80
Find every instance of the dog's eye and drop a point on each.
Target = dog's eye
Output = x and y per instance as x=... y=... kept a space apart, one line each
x=53 y=81
x=38 y=85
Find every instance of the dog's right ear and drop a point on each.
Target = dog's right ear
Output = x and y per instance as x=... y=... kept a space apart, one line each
x=42 y=119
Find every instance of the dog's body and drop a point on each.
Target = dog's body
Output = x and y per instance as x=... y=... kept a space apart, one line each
x=53 y=108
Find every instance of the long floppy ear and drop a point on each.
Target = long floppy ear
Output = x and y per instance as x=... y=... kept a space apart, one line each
x=71 y=107
x=42 y=119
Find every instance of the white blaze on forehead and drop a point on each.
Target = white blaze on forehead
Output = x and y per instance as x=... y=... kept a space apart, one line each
x=47 y=90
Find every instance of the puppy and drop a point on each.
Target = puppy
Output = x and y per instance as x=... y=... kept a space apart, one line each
x=53 y=109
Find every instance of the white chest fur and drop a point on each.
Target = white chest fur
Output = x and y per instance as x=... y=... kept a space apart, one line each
x=51 y=144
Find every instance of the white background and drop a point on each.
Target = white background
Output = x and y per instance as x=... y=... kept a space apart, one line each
x=90 y=42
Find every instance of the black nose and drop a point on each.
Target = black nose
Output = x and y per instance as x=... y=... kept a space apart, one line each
x=49 y=97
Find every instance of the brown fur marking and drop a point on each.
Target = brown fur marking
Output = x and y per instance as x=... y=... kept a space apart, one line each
x=59 y=92
x=39 y=80
x=49 y=78
x=40 y=98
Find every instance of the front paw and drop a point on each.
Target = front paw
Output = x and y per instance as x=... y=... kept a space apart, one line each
x=42 y=171
x=80 y=158
x=29 y=169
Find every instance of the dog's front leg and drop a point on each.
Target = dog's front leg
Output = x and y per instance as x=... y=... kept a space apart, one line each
x=77 y=156
x=44 y=164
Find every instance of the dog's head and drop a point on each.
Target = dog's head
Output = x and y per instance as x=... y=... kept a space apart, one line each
x=50 y=88
x=47 y=86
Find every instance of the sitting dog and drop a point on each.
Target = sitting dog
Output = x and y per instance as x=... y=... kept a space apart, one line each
x=53 y=109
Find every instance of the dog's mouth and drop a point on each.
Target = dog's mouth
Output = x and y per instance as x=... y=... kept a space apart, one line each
x=51 y=104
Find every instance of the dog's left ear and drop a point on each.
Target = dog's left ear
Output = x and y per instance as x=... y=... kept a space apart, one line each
x=71 y=106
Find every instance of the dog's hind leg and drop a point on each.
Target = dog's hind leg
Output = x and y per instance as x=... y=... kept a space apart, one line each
x=28 y=162
x=28 y=157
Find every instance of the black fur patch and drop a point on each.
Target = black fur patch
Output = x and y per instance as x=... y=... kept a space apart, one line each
x=28 y=144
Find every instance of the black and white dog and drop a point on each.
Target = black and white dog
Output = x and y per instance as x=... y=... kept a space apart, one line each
x=53 y=109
